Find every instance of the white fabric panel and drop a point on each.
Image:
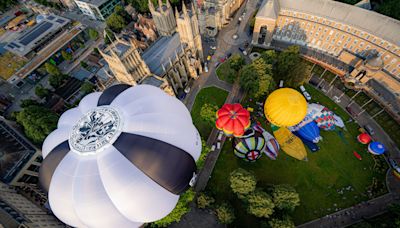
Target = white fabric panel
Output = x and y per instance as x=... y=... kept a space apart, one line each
x=69 y=118
x=157 y=104
x=89 y=102
x=92 y=204
x=55 y=138
x=168 y=128
x=134 y=194
x=61 y=191
x=135 y=93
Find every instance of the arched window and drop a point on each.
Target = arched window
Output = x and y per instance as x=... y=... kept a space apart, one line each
x=262 y=35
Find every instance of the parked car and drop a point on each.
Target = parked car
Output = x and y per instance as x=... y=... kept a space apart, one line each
x=220 y=135
x=302 y=89
x=213 y=47
x=280 y=83
x=228 y=55
x=350 y=110
x=218 y=145
x=369 y=129
x=216 y=64
x=205 y=68
x=187 y=89
x=394 y=165
x=221 y=60
x=307 y=95
x=212 y=147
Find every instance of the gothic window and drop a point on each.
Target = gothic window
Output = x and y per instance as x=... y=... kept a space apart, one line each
x=263 y=34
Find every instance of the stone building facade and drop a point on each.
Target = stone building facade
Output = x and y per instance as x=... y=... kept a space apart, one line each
x=163 y=17
x=343 y=38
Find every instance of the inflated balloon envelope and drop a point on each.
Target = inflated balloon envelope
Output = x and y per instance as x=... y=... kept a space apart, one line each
x=120 y=159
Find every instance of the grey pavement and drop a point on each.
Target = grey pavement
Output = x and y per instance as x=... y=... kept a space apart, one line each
x=198 y=218
x=85 y=20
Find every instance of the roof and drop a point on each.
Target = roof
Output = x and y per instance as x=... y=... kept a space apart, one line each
x=93 y=2
x=368 y=21
x=15 y=152
x=269 y=9
x=33 y=37
x=160 y=52
x=152 y=80
x=386 y=93
x=366 y=4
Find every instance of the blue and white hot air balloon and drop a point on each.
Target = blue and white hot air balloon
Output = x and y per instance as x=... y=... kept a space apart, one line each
x=376 y=148
x=310 y=132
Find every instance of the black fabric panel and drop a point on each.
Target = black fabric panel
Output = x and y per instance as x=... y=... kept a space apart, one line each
x=171 y=167
x=50 y=164
x=111 y=93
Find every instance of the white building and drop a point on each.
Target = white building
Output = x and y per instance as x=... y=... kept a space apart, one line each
x=97 y=9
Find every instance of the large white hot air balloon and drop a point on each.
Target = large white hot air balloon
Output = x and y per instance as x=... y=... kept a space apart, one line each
x=120 y=159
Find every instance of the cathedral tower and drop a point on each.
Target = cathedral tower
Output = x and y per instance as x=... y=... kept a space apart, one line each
x=163 y=17
x=125 y=61
x=188 y=29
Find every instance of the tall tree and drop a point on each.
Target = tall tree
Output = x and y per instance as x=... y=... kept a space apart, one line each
x=249 y=79
x=116 y=22
x=207 y=113
x=52 y=69
x=260 y=204
x=270 y=57
x=93 y=34
x=265 y=80
x=66 y=55
x=87 y=87
x=242 y=182
x=290 y=67
x=286 y=222
x=37 y=122
x=204 y=201
x=225 y=213
x=181 y=208
x=41 y=92
x=390 y=8
x=236 y=62
x=285 y=197
x=56 y=80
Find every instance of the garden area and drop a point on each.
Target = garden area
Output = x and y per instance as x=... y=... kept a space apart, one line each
x=9 y=64
x=332 y=179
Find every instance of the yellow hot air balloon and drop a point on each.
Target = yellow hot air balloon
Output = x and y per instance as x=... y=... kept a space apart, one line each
x=289 y=143
x=285 y=107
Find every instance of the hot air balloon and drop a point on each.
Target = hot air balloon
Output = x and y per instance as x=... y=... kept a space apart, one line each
x=233 y=119
x=314 y=110
x=289 y=143
x=312 y=146
x=271 y=148
x=338 y=121
x=304 y=122
x=249 y=146
x=285 y=107
x=310 y=132
x=325 y=120
x=376 y=148
x=364 y=138
x=120 y=159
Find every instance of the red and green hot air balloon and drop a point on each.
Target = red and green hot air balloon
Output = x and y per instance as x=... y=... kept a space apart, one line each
x=233 y=119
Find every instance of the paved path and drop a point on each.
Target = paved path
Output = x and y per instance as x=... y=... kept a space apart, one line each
x=198 y=218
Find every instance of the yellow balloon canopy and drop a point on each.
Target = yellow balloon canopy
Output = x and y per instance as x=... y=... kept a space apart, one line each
x=285 y=107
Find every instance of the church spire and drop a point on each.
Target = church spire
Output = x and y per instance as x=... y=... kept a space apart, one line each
x=160 y=5
x=168 y=4
x=176 y=14
x=151 y=6
x=184 y=10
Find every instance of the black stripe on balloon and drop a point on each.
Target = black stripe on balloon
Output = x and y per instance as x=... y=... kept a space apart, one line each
x=111 y=93
x=50 y=164
x=169 y=166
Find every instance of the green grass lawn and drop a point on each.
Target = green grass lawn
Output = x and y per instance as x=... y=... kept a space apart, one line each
x=224 y=71
x=211 y=95
x=330 y=169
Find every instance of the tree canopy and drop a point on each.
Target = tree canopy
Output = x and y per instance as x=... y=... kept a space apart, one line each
x=52 y=69
x=57 y=80
x=87 y=87
x=204 y=201
x=93 y=34
x=182 y=207
x=207 y=113
x=260 y=204
x=5 y=4
x=242 y=182
x=290 y=67
x=225 y=213
x=286 y=222
x=236 y=62
x=37 y=122
x=116 y=22
x=390 y=8
x=41 y=92
x=66 y=55
x=285 y=197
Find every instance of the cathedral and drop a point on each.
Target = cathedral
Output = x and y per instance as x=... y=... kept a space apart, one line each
x=214 y=14
x=171 y=61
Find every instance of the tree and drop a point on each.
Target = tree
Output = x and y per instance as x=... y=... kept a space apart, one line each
x=182 y=207
x=204 y=201
x=93 y=34
x=390 y=8
x=52 y=69
x=207 y=113
x=265 y=80
x=285 y=197
x=225 y=213
x=116 y=22
x=122 y=12
x=28 y=102
x=236 y=62
x=87 y=87
x=290 y=67
x=5 y=4
x=242 y=182
x=260 y=204
x=57 y=80
x=41 y=92
x=84 y=64
x=37 y=122
x=66 y=55
x=286 y=222
x=204 y=151
x=249 y=79
x=270 y=57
